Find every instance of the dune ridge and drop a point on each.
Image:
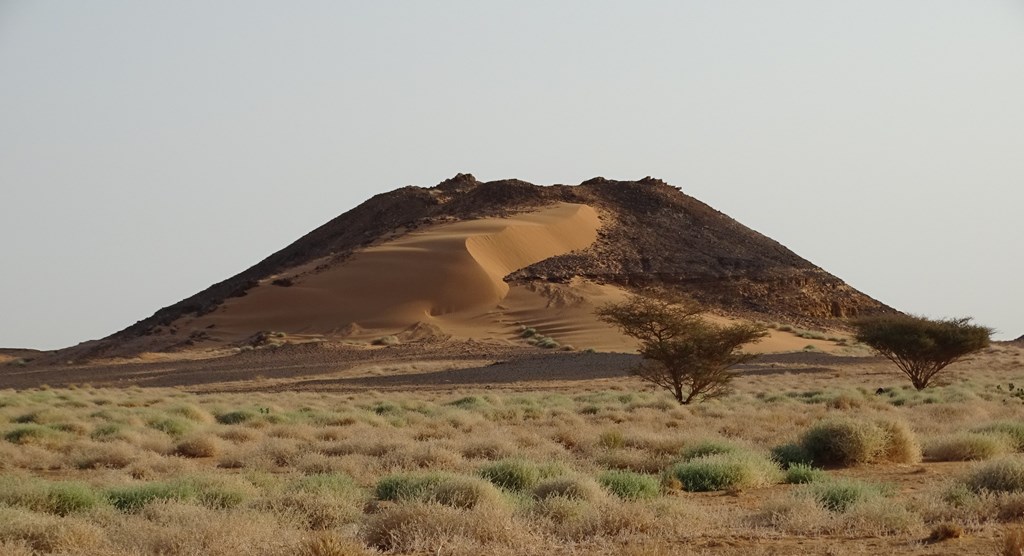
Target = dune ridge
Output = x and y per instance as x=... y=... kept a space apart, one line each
x=442 y=271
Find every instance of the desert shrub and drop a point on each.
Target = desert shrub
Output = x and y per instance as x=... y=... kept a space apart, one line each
x=170 y=425
x=328 y=483
x=799 y=473
x=204 y=446
x=133 y=497
x=464 y=492
x=235 y=417
x=792 y=454
x=839 y=495
x=61 y=498
x=386 y=341
x=110 y=431
x=708 y=448
x=1013 y=430
x=921 y=347
x=64 y=498
x=735 y=470
x=435 y=528
x=999 y=475
x=849 y=442
x=611 y=439
x=966 y=446
x=213 y=493
x=30 y=434
x=572 y=488
x=469 y=403
x=629 y=485
x=511 y=474
x=406 y=486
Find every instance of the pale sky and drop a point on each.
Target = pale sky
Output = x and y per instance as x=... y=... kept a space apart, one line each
x=149 y=149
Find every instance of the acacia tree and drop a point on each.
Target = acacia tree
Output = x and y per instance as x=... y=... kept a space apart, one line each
x=681 y=352
x=919 y=346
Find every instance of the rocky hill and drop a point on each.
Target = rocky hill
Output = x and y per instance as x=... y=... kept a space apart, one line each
x=651 y=233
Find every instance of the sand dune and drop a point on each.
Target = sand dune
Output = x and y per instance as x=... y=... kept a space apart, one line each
x=449 y=271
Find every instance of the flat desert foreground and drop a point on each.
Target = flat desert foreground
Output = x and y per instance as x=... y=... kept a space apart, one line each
x=305 y=449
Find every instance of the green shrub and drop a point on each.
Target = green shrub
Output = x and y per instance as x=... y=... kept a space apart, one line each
x=469 y=402
x=735 y=470
x=1000 y=475
x=840 y=494
x=511 y=474
x=799 y=473
x=628 y=485
x=966 y=446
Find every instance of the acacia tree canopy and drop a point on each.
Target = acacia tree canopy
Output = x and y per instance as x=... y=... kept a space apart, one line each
x=919 y=346
x=681 y=351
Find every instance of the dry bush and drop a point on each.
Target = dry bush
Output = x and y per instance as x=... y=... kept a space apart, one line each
x=199 y=446
x=1000 y=475
x=1013 y=542
x=332 y=544
x=418 y=527
x=571 y=488
x=490 y=449
x=851 y=442
x=967 y=446
x=49 y=534
x=109 y=455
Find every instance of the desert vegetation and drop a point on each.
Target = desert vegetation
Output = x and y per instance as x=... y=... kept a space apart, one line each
x=919 y=346
x=682 y=352
x=604 y=469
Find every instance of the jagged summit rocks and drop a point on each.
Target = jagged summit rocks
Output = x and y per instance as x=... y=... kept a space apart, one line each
x=649 y=233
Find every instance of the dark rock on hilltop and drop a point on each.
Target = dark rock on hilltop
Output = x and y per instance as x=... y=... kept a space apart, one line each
x=653 y=234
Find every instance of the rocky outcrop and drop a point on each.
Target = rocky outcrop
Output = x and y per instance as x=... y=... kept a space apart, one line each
x=652 y=234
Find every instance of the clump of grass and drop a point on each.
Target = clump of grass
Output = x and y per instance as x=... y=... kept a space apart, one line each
x=170 y=425
x=512 y=474
x=628 y=485
x=611 y=439
x=203 y=446
x=1013 y=430
x=61 y=498
x=839 y=495
x=708 y=448
x=792 y=454
x=967 y=446
x=726 y=471
x=848 y=442
x=30 y=434
x=235 y=417
x=999 y=475
x=572 y=488
x=469 y=403
x=454 y=491
x=799 y=473
x=210 y=492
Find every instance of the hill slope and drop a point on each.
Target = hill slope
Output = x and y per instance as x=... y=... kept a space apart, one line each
x=467 y=247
